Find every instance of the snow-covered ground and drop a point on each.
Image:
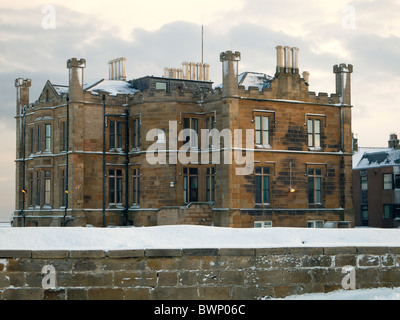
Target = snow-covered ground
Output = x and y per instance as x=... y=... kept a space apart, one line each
x=190 y=236
x=359 y=294
x=185 y=236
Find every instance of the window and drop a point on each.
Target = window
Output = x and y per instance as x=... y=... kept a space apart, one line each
x=63 y=135
x=210 y=184
x=31 y=140
x=262 y=224
x=388 y=211
x=47 y=137
x=30 y=189
x=364 y=189
x=314 y=186
x=190 y=185
x=315 y=224
x=115 y=186
x=161 y=86
x=136 y=133
x=38 y=147
x=262 y=185
x=115 y=135
x=397 y=181
x=397 y=212
x=136 y=185
x=262 y=130
x=387 y=181
x=193 y=124
x=364 y=215
x=47 y=188
x=38 y=188
x=314 y=133
x=210 y=125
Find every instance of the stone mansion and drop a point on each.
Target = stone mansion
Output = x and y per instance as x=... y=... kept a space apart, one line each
x=150 y=151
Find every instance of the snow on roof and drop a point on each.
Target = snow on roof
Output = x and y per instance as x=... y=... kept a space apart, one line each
x=61 y=89
x=362 y=150
x=189 y=236
x=254 y=79
x=112 y=87
x=388 y=157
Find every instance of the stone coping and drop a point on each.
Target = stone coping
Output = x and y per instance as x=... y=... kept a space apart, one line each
x=151 y=253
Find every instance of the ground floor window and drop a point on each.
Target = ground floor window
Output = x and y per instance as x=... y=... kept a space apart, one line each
x=315 y=223
x=115 y=186
x=190 y=185
x=263 y=224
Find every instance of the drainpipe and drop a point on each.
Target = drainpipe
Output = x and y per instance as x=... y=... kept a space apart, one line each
x=124 y=217
x=23 y=166
x=104 y=160
x=66 y=162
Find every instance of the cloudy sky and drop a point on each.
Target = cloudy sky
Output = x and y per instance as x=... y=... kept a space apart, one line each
x=38 y=37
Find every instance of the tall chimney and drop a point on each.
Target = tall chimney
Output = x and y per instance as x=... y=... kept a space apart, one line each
x=288 y=63
x=117 y=69
x=186 y=70
x=230 y=61
x=343 y=83
x=192 y=70
x=306 y=77
x=206 y=67
x=279 y=58
x=295 y=59
x=76 y=67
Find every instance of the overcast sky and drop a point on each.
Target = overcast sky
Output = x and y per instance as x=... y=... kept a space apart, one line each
x=38 y=37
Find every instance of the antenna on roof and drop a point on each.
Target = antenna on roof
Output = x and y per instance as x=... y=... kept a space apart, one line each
x=202 y=41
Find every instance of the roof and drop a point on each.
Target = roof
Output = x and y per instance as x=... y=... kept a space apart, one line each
x=112 y=87
x=362 y=150
x=385 y=158
x=253 y=79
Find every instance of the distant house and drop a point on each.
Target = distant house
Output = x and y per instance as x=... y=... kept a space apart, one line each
x=376 y=186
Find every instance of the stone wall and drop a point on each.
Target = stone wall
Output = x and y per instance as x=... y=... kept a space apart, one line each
x=193 y=274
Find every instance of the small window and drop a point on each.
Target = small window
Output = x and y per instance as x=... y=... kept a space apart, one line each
x=115 y=186
x=262 y=183
x=397 y=181
x=314 y=133
x=136 y=133
x=48 y=137
x=262 y=130
x=388 y=211
x=315 y=224
x=136 y=187
x=210 y=184
x=161 y=86
x=263 y=224
x=47 y=188
x=387 y=181
x=364 y=213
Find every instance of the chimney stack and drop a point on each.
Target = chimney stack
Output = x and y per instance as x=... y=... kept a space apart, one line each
x=295 y=59
x=306 y=77
x=393 y=141
x=279 y=58
x=287 y=57
x=117 y=69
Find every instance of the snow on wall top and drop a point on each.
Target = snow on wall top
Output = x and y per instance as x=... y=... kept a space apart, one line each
x=112 y=87
x=189 y=236
x=388 y=157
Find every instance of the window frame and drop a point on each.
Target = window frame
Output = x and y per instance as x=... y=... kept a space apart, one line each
x=47 y=188
x=186 y=185
x=263 y=224
x=115 y=187
x=210 y=184
x=386 y=183
x=136 y=187
x=260 y=132
x=312 y=134
x=314 y=175
x=263 y=192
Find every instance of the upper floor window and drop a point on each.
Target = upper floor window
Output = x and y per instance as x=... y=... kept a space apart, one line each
x=314 y=133
x=210 y=125
x=115 y=135
x=193 y=124
x=47 y=188
x=262 y=130
x=47 y=137
x=387 y=181
x=136 y=133
x=63 y=136
x=364 y=189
